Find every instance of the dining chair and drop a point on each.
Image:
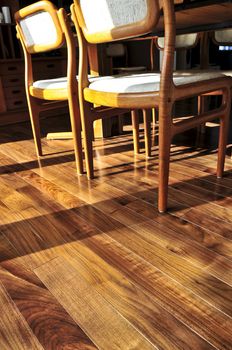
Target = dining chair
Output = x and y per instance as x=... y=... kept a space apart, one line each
x=41 y=28
x=223 y=37
x=107 y=21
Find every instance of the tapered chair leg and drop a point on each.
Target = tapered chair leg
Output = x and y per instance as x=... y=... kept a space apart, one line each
x=147 y=131
x=135 y=128
x=34 y=112
x=223 y=135
x=165 y=138
x=202 y=107
x=222 y=147
x=164 y=158
x=89 y=154
x=88 y=146
x=76 y=132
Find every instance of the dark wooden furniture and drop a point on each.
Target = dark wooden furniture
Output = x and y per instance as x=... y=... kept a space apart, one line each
x=12 y=92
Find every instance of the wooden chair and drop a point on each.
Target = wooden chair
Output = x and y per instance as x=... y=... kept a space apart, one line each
x=220 y=38
x=41 y=28
x=223 y=38
x=107 y=21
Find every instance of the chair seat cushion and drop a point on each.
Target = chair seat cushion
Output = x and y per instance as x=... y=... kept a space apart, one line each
x=54 y=84
x=147 y=82
x=227 y=72
x=51 y=84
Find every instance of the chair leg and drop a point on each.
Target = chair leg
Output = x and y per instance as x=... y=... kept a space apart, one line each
x=34 y=112
x=202 y=107
x=88 y=144
x=87 y=134
x=147 y=131
x=135 y=128
x=165 y=137
x=223 y=134
x=164 y=159
x=76 y=132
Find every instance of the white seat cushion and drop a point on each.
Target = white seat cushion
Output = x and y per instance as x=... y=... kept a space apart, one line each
x=53 y=84
x=227 y=72
x=146 y=82
x=50 y=84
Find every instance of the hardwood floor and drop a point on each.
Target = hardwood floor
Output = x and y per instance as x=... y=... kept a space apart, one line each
x=92 y=264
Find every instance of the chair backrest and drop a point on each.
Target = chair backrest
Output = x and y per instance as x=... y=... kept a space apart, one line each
x=39 y=28
x=223 y=37
x=109 y=20
x=183 y=41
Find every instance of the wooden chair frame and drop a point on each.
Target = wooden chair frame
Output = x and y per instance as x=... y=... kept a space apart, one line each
x=122 y=32
x=164 y=99
x=37 y=98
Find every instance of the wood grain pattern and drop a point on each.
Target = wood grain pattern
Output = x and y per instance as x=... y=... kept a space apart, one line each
x=180 y=302
x=14 y=331
x=107 y=328
x=166 y=277
x=41 y=310
x=136 y=304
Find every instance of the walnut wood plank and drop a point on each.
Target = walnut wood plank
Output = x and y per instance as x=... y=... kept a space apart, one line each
x=51 y=190
x=103 y=324
x=14 y=330
x=177 y=268
x=205 y=237
x=213 y=224
x=217 y=213
x=129 y=182
x=7 y=250
x=174 y=297
x=214 y=263
x=135 y=304
x=168 y=276
x=49 y=322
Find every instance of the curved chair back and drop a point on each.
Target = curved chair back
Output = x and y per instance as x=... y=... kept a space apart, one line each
x=107 y=20
x=39 y=28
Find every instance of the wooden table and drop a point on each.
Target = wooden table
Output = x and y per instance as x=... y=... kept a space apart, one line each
x=200 y=15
